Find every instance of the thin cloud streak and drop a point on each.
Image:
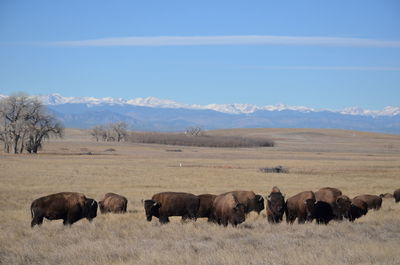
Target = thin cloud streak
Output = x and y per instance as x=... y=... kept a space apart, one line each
x=230 y=40
x=327 y=68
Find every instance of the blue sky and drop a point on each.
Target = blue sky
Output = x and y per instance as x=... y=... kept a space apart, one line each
x=321 y=54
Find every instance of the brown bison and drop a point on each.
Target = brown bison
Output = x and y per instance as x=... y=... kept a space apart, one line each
x=69 y=206
x=386 y=195
x=300 y=206
x=339 y=203
x=373 y=201
x=250 y=200
x=206 y=204
x=165 y=204
x=323 y=212
x=275 y=206
x=396 y=195
x=228 y=209
x=113 y=203
x=358 y=208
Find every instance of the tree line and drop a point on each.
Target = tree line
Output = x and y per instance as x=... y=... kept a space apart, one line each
x=25 y=124
x=112 y=132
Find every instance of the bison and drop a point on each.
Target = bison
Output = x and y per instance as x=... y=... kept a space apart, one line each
x=206 y=204
x=396 y=195
x=339 y=203
x=228 y=209
x=69 y=206
x=373 y=201
x=323 y=212
x=300 y=206
x=165 y=204
x=275 y=206
x=358 y=208
x=113 y=203
x=250 y=200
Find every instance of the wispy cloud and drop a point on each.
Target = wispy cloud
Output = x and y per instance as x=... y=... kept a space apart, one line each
x=322 y=68
x=232 y=40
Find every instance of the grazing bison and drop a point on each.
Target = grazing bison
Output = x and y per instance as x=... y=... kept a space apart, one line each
x=250 y=200
x=300 y=206
x=323 y=212
x=340 y=203
x=228 y=209
x=386 y=195
x=206 y=204
x=373 y=201
x=358 y=208
x=396 y=195
x=69 y=206
x=165 y=204
x=113 y=203
x=275 y=206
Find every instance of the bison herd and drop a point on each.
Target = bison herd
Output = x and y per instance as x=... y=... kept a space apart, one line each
x=324 y=205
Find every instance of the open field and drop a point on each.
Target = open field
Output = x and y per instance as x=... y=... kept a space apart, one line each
x=354 y=162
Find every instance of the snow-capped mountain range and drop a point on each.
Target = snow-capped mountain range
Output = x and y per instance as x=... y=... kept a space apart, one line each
x=154 y=114
x=57 y=99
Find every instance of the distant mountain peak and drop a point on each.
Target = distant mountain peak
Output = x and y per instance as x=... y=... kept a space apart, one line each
x=235 y=108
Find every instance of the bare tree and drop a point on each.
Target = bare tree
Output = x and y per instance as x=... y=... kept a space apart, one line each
x=120 y=129
x=110 y=132
x=25 y=124
x=194 y=131
x=97 y=132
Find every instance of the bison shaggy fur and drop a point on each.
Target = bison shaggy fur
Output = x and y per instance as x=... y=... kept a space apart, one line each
x=396 y=195
x=165 y=204
x=206 y=206
x=228 y=210
x=113 y=203
x=358 y=209
x=339 y=203
x=373 y=201
x=300 y=206
x=68 y=206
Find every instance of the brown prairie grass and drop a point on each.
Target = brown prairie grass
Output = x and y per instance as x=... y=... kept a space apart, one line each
x=355 y=162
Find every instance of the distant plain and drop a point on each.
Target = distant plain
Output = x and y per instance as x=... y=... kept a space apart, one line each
x=355 y=162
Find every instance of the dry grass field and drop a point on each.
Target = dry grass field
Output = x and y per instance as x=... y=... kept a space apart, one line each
x=354 y=162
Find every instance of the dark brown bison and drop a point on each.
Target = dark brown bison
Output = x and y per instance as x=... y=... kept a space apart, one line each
x=323 y=212
x=165 y=204
x=206 y=204
x=113 y=203
x=275 y=206
x=358 y=208
x=396 y=195
x=373 y=201
x=340 y=203
x=250 y=200
x=69 y=206
x=228 y=209
x=300 y=206
x=386 y=195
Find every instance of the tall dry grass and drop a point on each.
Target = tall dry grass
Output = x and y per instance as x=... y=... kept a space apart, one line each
x=314 y=158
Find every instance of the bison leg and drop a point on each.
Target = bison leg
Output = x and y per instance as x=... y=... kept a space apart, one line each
x=164 y=219
x=37 y=220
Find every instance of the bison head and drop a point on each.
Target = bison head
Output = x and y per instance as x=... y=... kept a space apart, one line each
x=151 y=208
x=343 y=204
x=259 y=203
x=90 y=209
x=309 y=203
x=239 y=215
x=276 y=205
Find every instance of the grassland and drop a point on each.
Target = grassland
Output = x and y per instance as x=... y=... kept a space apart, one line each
x=355 y=162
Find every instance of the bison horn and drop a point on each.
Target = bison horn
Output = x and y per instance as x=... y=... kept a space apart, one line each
x=92 y=203
x=155 y=204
